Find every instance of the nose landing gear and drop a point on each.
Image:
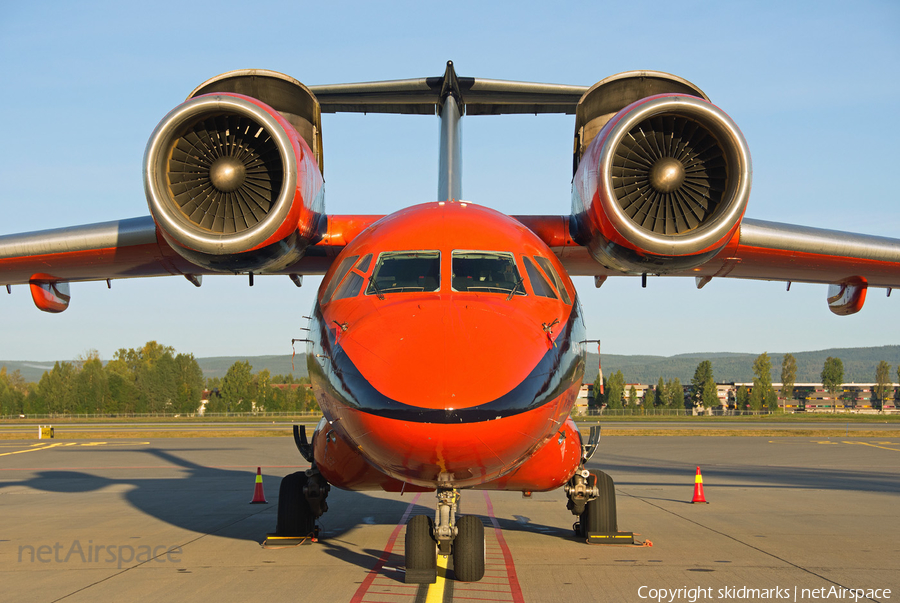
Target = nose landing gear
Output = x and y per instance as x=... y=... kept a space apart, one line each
x=592 y=496
x=462 y=537
x=302 y=496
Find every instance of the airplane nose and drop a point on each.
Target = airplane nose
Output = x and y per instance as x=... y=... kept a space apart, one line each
x=440 y=355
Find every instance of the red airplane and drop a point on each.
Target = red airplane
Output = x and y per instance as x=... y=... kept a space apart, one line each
x=446 y=345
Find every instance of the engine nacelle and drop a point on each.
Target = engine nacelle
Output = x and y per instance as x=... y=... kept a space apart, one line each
x=231 y=184
x=662 y=187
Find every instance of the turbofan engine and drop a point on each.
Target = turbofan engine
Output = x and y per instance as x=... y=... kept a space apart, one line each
x=231 y=184
x=663 y=186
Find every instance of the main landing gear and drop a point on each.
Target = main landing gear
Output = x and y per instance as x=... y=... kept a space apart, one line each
x=302 y=496
x=592 y=496
x=462 y=537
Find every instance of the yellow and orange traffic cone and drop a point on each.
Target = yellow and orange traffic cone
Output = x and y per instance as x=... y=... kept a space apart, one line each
x=698 y=489
x=258 y=496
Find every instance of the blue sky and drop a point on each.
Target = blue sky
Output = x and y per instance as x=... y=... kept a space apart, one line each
x=815 y=87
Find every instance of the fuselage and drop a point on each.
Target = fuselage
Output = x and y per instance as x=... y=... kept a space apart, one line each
x=446 y=345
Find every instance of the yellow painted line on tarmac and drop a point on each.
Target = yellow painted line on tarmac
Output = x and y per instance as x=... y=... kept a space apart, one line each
x=41 y=446
x=37 y=449
x=873 y=446
x=436 y=590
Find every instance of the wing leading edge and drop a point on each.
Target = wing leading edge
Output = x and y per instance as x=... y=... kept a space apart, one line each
x=635 y=209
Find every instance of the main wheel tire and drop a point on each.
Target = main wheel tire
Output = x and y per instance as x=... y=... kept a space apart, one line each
x=600 y=514
x=421 y=551
x=468 y=549
x=295 y=518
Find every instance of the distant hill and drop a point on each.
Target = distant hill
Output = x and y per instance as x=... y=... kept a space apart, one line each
x=217 y=366
x=859 y=365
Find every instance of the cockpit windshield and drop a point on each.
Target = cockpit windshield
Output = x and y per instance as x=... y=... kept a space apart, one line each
x=486 y=271
x=405 y=271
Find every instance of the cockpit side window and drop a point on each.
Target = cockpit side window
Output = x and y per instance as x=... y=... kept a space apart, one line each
x=486 y=272
x=550 y=271
x=405 y=271
x=338 y=276
x=538 y=283
x=352 y=284
x=363 y=264
x=350 y=287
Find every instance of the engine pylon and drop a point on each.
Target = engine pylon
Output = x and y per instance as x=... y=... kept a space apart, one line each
x=698 y=489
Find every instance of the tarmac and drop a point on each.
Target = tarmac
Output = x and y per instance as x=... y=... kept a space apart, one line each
x=799 y=519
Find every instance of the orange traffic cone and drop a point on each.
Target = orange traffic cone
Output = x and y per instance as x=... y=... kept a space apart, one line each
x=258 y=496
x=698 y=489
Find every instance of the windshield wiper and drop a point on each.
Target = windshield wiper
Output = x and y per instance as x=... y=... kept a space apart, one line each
x=516 y=286
x=375 y=287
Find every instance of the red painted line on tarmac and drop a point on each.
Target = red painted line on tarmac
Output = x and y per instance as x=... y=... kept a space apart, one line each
x=507 y=557
x=156 y=467
x=385 y=555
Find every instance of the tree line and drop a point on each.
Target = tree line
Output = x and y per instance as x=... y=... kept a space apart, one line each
x=703 y=392
x=150 y=379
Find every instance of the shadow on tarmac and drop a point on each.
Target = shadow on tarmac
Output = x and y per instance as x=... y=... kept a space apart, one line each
x=750 y=477
x=215 y=501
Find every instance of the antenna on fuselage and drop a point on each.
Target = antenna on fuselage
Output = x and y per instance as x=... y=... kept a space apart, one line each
x=450 y=110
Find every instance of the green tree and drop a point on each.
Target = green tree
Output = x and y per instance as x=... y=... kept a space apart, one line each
x=123 y=395
x=13 y=391
x=711 y=395
x=788 y=377
x=833 y=378
x=703 y=386
x=262 y=382
x=615 y=390
x=756 y=400
x=883 y=383
x=676 y=394
x=91 y=387
x=898 y=380
x=632 y=397
x=55 y=390
x=189 y=384
x=660 y=394
x=763 y=393
x=742 y=398
x=237 y=388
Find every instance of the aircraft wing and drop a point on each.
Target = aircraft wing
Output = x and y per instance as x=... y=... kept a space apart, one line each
x=48 y=260
x=135 y=248
x=850 y=263
x=233 y=179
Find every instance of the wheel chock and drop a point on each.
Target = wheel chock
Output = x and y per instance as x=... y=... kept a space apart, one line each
x=421 y=576
x=610 y=538
x=274 y=541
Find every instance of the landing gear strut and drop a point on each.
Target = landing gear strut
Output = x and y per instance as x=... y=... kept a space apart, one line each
x=592 y=496
x=302 y=495
x=461 y=537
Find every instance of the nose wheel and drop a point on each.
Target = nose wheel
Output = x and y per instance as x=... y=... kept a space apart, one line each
x=301 y=496
x=461 y=537
x=468 y=549
x=421 y=551
x=592 y=497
